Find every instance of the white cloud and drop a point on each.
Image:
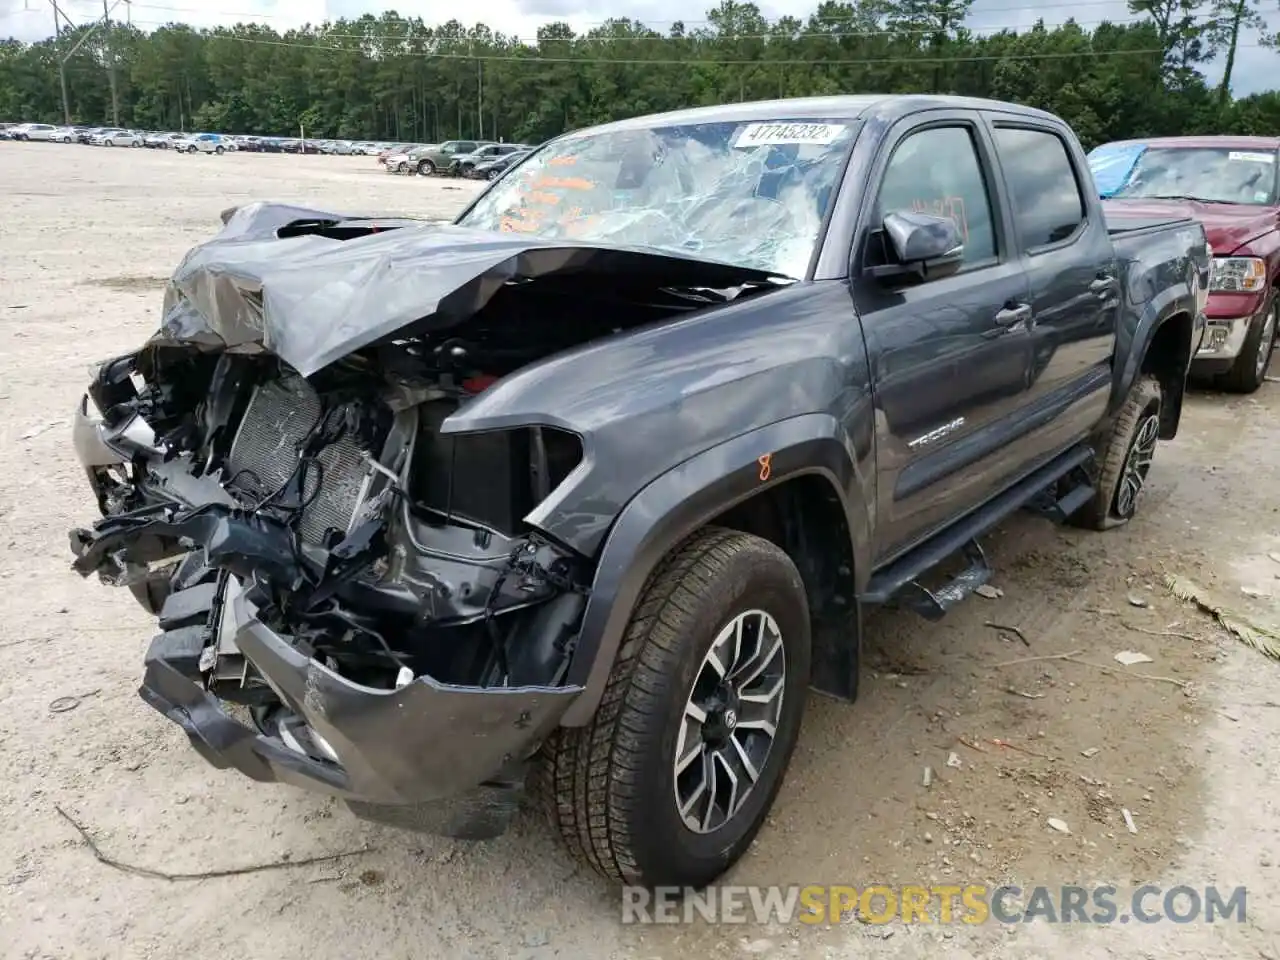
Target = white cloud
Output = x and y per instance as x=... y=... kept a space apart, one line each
x=1256 y=67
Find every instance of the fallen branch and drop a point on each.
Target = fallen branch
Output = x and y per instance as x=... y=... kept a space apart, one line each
x=1022 y=693
x=1013 y=746
x=1014 y=630
x=1047 y=656
x=1162 y=633
x=203 y=875
x=1127 y=674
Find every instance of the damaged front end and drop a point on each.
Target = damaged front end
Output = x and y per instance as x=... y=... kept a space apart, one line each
x=285 y=481
x=318 y=552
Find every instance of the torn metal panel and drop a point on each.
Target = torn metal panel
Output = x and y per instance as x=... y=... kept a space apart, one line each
x=310 y=299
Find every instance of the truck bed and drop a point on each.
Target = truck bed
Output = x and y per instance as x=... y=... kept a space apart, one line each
x=1120 y=223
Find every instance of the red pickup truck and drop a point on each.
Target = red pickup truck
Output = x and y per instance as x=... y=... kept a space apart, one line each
x=1232 y=186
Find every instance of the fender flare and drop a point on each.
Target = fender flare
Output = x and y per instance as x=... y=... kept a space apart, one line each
x=1155 y=312
x=678 y=502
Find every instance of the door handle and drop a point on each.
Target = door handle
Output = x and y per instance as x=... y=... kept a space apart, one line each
x=1103 y=284
x=1013 y=313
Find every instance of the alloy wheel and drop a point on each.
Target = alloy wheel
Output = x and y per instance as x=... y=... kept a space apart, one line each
x=730 y=719
x=1268 y=341
x=1137 y=465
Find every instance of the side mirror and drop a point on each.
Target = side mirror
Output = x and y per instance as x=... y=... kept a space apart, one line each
x=924 y=246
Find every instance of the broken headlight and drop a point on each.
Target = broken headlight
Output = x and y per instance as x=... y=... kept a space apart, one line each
x=495 y=478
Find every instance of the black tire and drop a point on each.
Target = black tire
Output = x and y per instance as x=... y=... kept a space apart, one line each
x=610 y=788
x=492 y=174
x=1124 y=458
x=1250 y=369
x=426 y=168
x=219 y=151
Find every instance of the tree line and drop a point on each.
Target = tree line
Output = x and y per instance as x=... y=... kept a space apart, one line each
x=398 y=78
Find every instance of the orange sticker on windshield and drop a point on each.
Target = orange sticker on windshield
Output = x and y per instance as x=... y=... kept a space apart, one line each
x=567 y=183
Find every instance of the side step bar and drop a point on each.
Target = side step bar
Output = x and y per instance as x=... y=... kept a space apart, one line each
x=1035 y=491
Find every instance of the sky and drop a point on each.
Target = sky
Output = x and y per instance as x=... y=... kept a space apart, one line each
x=1256 y=67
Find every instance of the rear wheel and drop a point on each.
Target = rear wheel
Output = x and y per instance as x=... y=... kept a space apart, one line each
x=1250 y=368
x=1125 y=453
x=426 y=168
x=219 y=151
x=675 y=774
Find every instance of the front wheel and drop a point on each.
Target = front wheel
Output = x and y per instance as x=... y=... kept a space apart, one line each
x=492 y=174
x=1125 y=451
x=1250 y=369
x=674 y=776
x=219 y=151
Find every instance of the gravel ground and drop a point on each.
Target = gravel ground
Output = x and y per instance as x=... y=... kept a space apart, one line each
x=87 y=237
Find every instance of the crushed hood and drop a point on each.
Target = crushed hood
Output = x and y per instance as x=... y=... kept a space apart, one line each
x=312 y=299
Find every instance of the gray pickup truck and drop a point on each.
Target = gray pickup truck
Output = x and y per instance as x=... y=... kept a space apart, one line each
x=586 y=490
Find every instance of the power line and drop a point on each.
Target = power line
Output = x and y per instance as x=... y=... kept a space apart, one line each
x=612 y=20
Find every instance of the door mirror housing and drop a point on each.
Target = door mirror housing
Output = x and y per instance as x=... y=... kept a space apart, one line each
x=923 y=246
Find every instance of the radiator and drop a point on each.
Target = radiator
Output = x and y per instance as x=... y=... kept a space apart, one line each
x=264 y=452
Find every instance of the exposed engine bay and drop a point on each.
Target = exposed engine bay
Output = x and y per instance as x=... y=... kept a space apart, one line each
x=355 y=528
x=317 y=543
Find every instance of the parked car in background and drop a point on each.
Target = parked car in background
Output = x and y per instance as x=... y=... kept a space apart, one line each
x=1232 y=186
x=33 y=131
x=248 y=144
x=434 y=158
x=893 y=322
x=494 y=168
x=398 y=162
x=115 y=137
x=85 y=135
x=205 y=143
x=462 y=164
x=393 y=148
x=64 y=135
x=161 y=141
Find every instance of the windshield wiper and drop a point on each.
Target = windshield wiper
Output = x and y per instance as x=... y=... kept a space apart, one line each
x=1177 y=196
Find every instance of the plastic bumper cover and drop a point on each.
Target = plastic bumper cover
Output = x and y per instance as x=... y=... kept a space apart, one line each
x=420 y=743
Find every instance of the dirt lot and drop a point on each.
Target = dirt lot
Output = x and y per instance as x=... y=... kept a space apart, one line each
x=87 y=236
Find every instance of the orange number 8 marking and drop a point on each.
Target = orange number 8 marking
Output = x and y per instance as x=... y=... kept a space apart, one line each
x=766 y=466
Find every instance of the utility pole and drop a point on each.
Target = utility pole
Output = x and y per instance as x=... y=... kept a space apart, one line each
x=480 y=99
x=109 y=55
x=62 y=63
x=58 y=17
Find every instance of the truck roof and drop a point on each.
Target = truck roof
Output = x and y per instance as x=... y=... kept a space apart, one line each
x=1246 y=143
x=884 y=106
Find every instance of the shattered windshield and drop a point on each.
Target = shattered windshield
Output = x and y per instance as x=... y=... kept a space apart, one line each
x=1214 y=175
x=750 y=194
